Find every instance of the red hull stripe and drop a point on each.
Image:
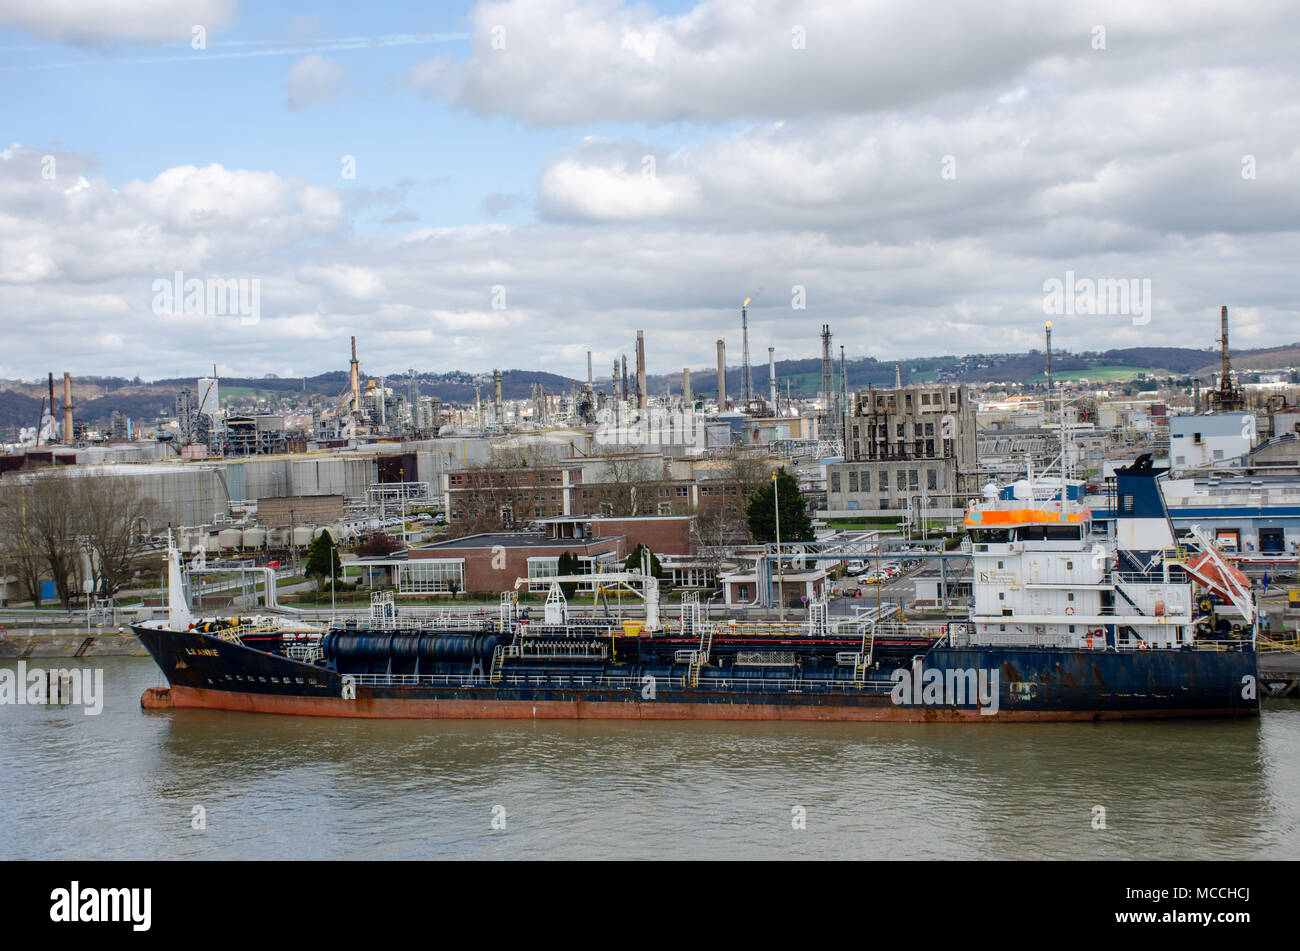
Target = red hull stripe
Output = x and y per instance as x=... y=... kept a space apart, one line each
x=172 y=698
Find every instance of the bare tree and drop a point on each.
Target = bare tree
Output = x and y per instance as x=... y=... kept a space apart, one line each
x=749 y=469
x=19 y=549
x=52 y=514
x=114 y=518
x=629 y=477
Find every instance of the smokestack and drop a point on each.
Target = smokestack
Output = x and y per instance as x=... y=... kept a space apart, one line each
x=640 y=370
x=1226 y=382
x=722 y=375
x=687 y=397
x=1049 y=360
x=844 y=400
x=828 y=384
x=354 y=379
x=590 y=379
x=746 y=373
x=625 y=376
x=771 y=376
x=67 y=408
x=496 y=399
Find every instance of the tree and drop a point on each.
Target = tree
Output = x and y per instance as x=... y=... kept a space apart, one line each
x=633 y=562
x=376 y=545
x=18 y=546
x=629 y=477
x=115 y=517
x=761 y=513
x=323 y=560
x=53 y=517
x=568 y=564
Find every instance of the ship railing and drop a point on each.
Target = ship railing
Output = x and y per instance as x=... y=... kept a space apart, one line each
x=1285 y=644
x=307 y=653
x=1135 y=644
x=507 y=678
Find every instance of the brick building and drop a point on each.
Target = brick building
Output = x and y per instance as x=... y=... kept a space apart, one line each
x=512 y=496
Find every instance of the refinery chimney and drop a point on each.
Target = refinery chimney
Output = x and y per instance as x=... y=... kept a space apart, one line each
x=1048 y=402
x=828 y=383
x=1226 y=382
x=640 y=370
x=722 y=376
x=746 y=372
x=67 y=408
x=771 y=377
x=590 y=380
x=354 y=379
x=496 y=399
x=687 y=398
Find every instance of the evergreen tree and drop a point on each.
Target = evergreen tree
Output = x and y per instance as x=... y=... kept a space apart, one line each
x=323 y=561
x=568 y=564
x=633 y=562
x=796 y=526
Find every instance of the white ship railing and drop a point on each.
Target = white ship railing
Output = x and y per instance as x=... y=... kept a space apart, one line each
x=598 y=681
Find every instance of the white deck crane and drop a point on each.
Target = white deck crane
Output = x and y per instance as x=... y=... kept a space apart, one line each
x=644 y=586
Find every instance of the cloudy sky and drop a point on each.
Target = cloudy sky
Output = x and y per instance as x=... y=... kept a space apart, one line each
x=465 y=186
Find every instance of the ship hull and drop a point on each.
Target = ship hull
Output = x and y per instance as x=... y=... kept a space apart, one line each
x=1026 y=686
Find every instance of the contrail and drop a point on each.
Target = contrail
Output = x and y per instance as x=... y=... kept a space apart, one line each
x=292 y=49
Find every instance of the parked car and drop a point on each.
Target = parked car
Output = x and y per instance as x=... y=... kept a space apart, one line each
x=855 y=568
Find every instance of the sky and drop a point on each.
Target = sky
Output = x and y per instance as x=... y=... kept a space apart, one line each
x=466 y=186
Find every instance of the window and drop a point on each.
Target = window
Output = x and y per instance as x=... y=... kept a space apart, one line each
x=539 y=569
x=865 y=475
x=931 y=479
x=884 y=480
x=431 y=576
x=853 y=480
x=913 y=479
x=1126 y=504
x=835 y=482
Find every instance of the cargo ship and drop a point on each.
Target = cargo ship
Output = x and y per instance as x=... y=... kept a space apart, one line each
x=1064 y=625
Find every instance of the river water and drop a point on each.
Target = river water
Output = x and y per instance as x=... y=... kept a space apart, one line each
x=129 y=784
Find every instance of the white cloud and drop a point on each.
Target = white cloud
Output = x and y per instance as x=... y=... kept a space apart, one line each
x=558 y=62
x=98 y=22
x=314 y=81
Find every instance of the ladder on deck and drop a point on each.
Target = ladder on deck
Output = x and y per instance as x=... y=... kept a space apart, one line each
x=700 y=656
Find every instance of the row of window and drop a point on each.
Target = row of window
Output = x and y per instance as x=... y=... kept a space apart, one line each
x=905 y=480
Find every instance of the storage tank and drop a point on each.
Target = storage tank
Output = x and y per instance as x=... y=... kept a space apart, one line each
x=277 y=537
x=209 y=542
x=302 y=535
x=229 y=538
x=254 y=538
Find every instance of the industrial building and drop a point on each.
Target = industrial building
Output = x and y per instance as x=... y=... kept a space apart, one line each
x=903 y=443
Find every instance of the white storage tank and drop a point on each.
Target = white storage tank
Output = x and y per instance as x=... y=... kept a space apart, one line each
x=302 y=535
x=254 y=538
x=230 y=538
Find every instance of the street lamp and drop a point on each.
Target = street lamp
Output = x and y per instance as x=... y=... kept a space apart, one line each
x=780 y=567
